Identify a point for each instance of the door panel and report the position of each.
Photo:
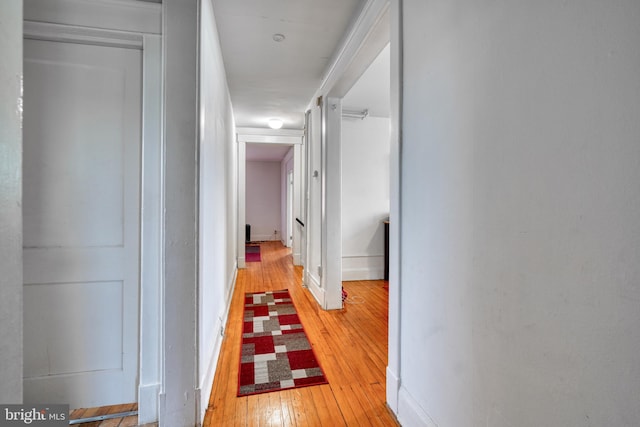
(81, 209)
(289, 231)
(56, 310)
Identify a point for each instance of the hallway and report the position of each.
(350, 344)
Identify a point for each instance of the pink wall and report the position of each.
(263, 200)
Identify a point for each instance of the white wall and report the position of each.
(178, 401)
(285, 167)
(218, 204)
(520, 234)
(365, 196)
(10, 202)
(263, 200)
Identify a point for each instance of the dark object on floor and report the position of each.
(252, 253)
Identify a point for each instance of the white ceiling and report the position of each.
(277, 80)
(266, 152)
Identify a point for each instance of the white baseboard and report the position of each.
(206, 384)
(362, 267)
(314, 286)
(361, 274)
(264, 238)
(410, 413)
(205, 387)
(393, 387)
(148, 397)
(297, 259)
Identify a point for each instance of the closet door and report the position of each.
(81, 204)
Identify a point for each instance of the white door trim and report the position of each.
(395, 279)
(367, 37)
(75, 34)
(11, 282)
(263, 136)
(379, 23)
(152, 218)
(122, 15)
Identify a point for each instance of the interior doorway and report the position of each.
(380, 25)
(267, 161)
(365, 161)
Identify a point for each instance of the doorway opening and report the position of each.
(269, 189)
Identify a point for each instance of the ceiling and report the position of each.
(372, 91)
(269, 79)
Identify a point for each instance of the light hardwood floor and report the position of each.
(350, 344)
(129, 421)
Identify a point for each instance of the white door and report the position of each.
(82, 121)
(289, 235)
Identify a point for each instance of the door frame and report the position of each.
(132, 25)
(244, 136)
(289, 213)
(379, 23)
(369, 34)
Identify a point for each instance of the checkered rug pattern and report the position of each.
(276, 354)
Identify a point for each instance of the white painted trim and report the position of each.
(410, 413)
(304, 194)
(125, 15)
(363, 256)
(332, 204)
(393, 389)
(75, 34)
(359, 34)
(11, 225)
(315, 289)
(354, 274)
(242, 202)
(260, 135)
(288, 197)
(395, 168)
(148, 398)
(267, 131)
(270, 139)
(298, 198)
(262, 238)
(297, 259)
(287, 157)
(151, 278)
(206, 385)
(362, 267)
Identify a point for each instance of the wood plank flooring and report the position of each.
(129, 421)
(351, 345)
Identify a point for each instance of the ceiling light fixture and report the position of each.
(275, 123)
(278, 37)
